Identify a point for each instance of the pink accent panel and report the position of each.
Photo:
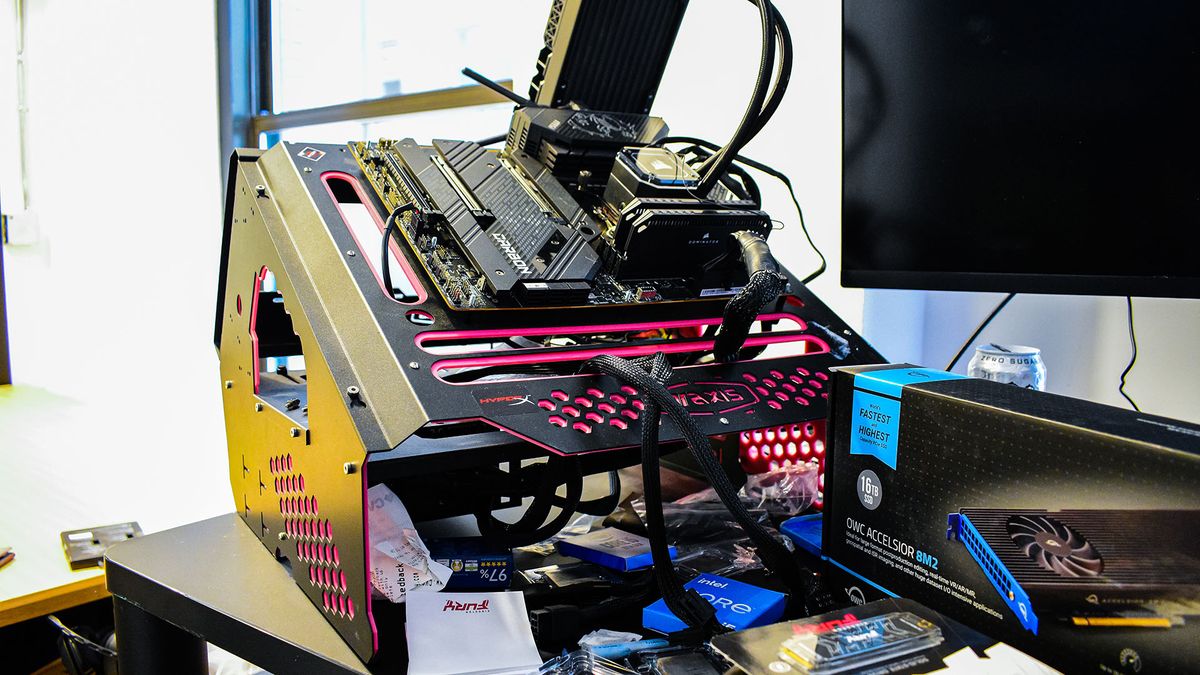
(366, 530)
(549, 356)
(450, 335)
(370, 259)
(258, 279)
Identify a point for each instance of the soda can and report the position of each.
(1010, 364)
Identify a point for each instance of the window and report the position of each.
(309, 70)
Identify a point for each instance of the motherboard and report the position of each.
(497, 229)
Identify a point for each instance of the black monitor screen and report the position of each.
(1022, 145)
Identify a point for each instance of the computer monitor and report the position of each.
(1004, 145)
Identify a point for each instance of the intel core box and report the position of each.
(1068, 529)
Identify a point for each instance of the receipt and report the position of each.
(400, 561)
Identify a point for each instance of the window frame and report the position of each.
(245, 96)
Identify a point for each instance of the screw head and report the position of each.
(414, 365)
(229, 384)
(724, 420)
(258, 407)
(349, 468)
(352, 390)
(295, 432)
(351, 253)
(261, 190)
(283, 536)
(308, 169)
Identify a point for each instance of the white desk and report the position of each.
(67, 465)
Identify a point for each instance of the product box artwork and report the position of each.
(1062, 527)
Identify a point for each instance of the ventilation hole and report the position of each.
(239, 304)
(774, 405)
(337, 560)
(342, 604)
(629, 390)
(546, 404)
(271, 463)
(768, 382)
(312, 575)
(325, 599)
(618, 399)
(328, 530)
(749, 378)
(559, 394)
(350, 607)
(557, 421)
(776, 374)
(289, 462)
(302, 482)
(342, 579)
(315, 510)
(419, 318)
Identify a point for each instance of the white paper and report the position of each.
(469, 633)
(400, 561)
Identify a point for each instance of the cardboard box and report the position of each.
(1068, 529)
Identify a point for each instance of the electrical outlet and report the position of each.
(21, 229)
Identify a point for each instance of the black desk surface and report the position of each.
(213, 579)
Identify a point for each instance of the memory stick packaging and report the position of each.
(1068, 529)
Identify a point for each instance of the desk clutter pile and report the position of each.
(967, 526)
(586, 601)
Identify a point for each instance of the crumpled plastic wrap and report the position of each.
(400, 561)
(782, 492)
(706, 534)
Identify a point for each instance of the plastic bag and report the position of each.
(782, 492)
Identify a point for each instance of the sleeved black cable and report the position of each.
(713, 169)
(804, 585)
(765, 284)
(389, 229)
(686, 604)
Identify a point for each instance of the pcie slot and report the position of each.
(410, 184)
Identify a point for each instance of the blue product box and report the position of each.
(805, 532)
(612, 548)
(475, 564)
(739, 605)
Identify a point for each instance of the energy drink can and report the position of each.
(1010, 364)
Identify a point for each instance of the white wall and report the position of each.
(113, 307)
(704, 93)
(1084, 341)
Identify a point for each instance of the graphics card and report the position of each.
(1093, 567)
